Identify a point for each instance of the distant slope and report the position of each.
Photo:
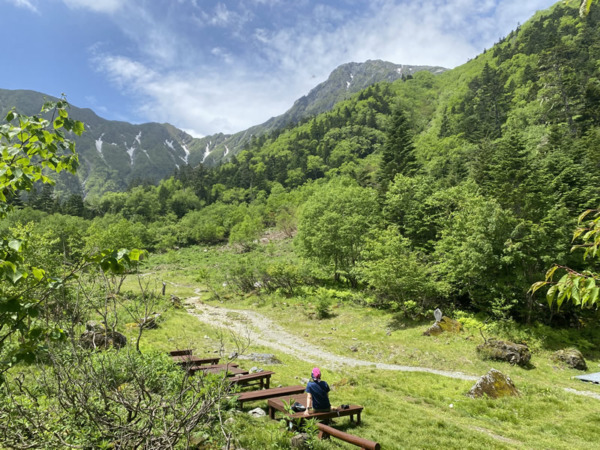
(111, 153)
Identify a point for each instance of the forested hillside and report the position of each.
(456, 191)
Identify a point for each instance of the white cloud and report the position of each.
(102, 6)
(283, 64)
(24, 4)
(202, 104)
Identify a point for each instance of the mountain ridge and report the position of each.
(115, 153)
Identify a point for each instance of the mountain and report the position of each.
(114, 154)
(343, 83)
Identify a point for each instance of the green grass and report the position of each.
(402, 409)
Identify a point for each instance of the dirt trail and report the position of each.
(265, 332)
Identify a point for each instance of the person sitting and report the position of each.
(317, 396)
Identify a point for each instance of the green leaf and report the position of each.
(15, 244)
(38, 273)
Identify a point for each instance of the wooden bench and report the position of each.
(187, 352)
(265, 394)
(190, 360)
(325, 431)
(217, 368)
(277, 404)
(263, 379)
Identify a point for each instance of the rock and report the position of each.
(264, 358)
(494, 384)
(102, 340)
(149, 323)
(176, 302)
(257, 412)
(92, 325)
(354, 348)
(446, 324)
(233, 355)
(505, 351)
(433, 330)
(571, 357)
(255, 370)
(229, 421)
(300, 441)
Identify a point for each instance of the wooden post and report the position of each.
(164, 288)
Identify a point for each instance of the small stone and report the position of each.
(257, 412)
(300, 441)
(230, 421)
(354, 348)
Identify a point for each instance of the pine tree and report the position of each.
(398, 151)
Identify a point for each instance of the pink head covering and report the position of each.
(316, 373)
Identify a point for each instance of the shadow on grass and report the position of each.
(400, 322)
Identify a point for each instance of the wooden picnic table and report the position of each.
(218, 368)
(190, 360)
(265, 394)
(263, 379)
(276, 404)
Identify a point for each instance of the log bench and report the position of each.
(265, 394)
(262, 379)
(325, 431)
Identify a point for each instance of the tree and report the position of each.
(398, 151)
(30, 146)
(335, 223)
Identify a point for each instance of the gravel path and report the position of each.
(265, 332)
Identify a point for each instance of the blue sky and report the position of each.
(222, 66)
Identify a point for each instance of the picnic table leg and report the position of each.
(272, 413)
(358, 418)
(268, 381)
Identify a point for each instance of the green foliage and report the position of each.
(334, 225)
(397, 272)
(29, 146)
(579, 288)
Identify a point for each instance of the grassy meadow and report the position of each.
(402, 409)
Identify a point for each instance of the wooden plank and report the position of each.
(263, 379)
(277, 404)
(326, 431)
(180, 352)
(194, 360)
(269, 393)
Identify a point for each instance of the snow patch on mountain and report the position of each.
(130, 151)
(169, 144)
(226, 152)
(99, 145)
(206, 151)
(138, 138)
(187, 153)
